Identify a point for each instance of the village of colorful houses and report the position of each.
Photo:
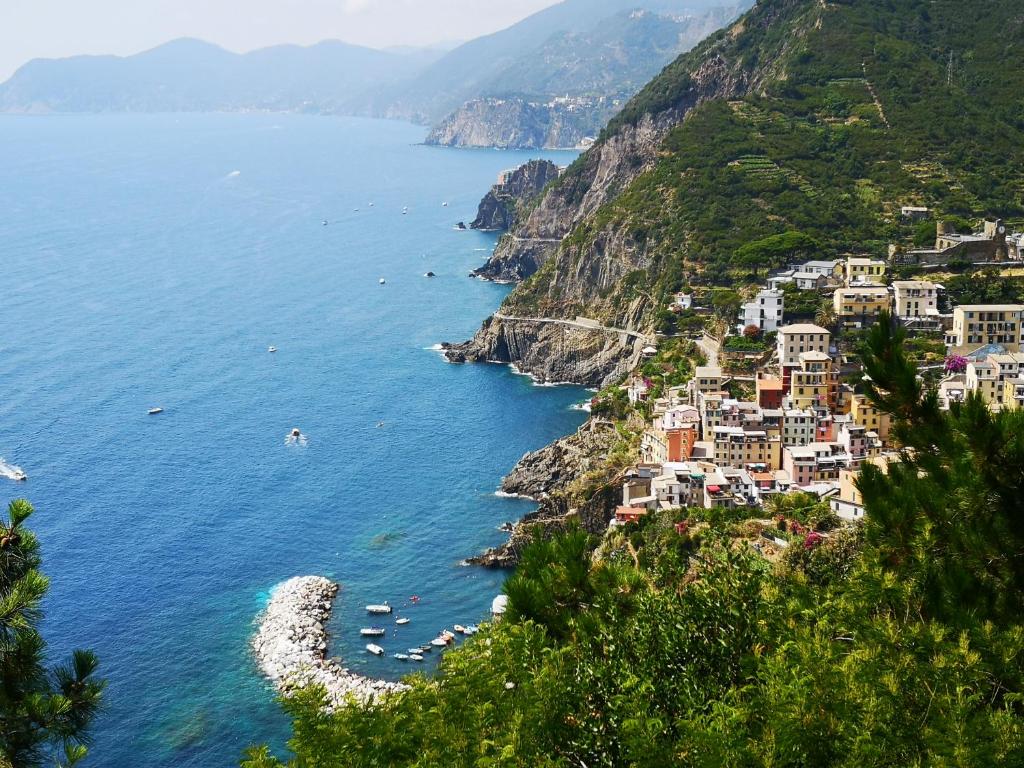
(804, 427)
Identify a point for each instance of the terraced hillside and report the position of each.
(820, 118)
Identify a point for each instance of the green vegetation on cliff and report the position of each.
(896, 642)
(840, 113)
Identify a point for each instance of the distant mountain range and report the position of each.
(596, 52)
(577, 47)
(192, 76)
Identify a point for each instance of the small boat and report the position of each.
(325, 222)
(472, 629)
(376, 650)
(381, 609)
(401, 656)
(405, 210)
(426, 648)
(373, 632)
(296, 433)
(371, 205)
(444, 205)
(415, 657)
(460, 629)
(430, 274)
(447, 635)
(439, 642)
(155, 411)
(12, 472)
(414, 599)
(382, 281)
(402, 620)
(271, 350)
(415, 651)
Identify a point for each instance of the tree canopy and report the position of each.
(44, 713)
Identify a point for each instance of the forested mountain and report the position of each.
(806, 116)
(193, 76)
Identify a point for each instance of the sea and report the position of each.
(151, 262)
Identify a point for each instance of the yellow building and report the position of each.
(864, 271)
(1013, 393)
(865, 414)
(707, 379)
(983, 378)
(860, 305)
(978, 325)
(809, 384)
(739, 448)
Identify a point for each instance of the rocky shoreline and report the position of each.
(290, 645)
(546, 476)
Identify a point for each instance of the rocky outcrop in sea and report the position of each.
(502, 206)
(290, 645)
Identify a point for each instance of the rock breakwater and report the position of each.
(290, 645)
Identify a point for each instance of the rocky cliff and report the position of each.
(577, 261)
(518, 124)
(502, 207)
(552, 476)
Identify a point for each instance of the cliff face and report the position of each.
(548, 475)
(576, 262)
(501, 208)
(517, 124)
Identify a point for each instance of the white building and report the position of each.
(765, 312)
(794, 340)
(916, 298)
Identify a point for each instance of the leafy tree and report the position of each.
(44, 713)
(951, 511)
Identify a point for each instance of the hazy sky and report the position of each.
(50, 28)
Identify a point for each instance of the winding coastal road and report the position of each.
(581, 323)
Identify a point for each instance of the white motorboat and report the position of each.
(447, 634)
(155, 411)
(415, 657)
(472, 629)
(12, 472)
(439, 642)
(401, 656)
(376, 650)
(382, 281)
(373, 632)
(460, 629)
(381, 609)
(271, 350)
(402, 621)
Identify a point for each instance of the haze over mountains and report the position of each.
(582, 48)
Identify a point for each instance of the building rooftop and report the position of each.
(814, 356)
(990, 308)
(910, 285)
(803, 328)
(707, 372)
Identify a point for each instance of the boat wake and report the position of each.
(11, 472)
(296, 441)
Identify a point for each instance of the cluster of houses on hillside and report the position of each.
(804, 429)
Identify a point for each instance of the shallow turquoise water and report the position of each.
(150, 261)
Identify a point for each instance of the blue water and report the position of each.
(150, 261)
